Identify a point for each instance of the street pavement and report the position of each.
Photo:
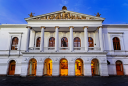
(63, 81)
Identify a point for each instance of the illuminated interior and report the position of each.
(48, 67)
(32, 67)
(11, 68)
(78, 67)
(63, 67)
(95, 67)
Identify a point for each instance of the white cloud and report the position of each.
(125, 4)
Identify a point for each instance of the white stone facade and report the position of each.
(102, 36)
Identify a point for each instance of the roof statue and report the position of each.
(31, 14)
(98, 15)
(64, 8)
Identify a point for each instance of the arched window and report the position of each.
(90, 42)
(38, 42)
(52, 42)
(64, 42)
(14, 45)
(77, 42)
(116, 43)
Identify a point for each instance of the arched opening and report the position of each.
(90, 42)
(32, 67)
(116, 43)
(95, 67)
(64, 42)
(79, 67)
(38, 42)
(11, 70)
(63, 67)
(51, 43)
(119, 68)
(77, 43)
(14, 45)
(48, 67)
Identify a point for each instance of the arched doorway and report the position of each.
(11, 70)
(63, 67)
(48, 67)
(79, 67)
(95, 67)
(119, 68)
(32, 67)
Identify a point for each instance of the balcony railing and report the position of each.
(65, 49)
(94, 48)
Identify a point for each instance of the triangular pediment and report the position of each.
(64, 15)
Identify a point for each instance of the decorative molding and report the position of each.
(85, 27)
(56, 27)
(29, 27)
(15, 32)
(71, 27)
(116, 32)
(42, 27)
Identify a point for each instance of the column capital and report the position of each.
(85, 27)
(71, 27)
(42, 27)
(57, 27)
(99, 27)
(29, 27)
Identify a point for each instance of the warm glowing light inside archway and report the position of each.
(78, 67)
(64, 67)
(48, 67)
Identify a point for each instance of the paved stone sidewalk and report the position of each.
(64, 81)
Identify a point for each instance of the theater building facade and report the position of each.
(64, 43)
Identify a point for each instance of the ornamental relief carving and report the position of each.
(63, 15)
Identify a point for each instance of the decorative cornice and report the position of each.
(85, 27)
(42, 27)
(57, 27)
(71, 27)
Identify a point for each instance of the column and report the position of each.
(87, 69)
(42, 39)
(56, 38)
(71, 38)
(28, 38)
(55, 68)
(101, 38)
(86, 37)
(71, 68)
(40, 66)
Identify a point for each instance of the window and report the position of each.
(14, 45)
(77, 42)
(38, 42)
(116, 43)
(64, 42)
(52, 42)
(90, 42)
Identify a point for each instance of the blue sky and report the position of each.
(14, 11)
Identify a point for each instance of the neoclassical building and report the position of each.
(64, 43)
